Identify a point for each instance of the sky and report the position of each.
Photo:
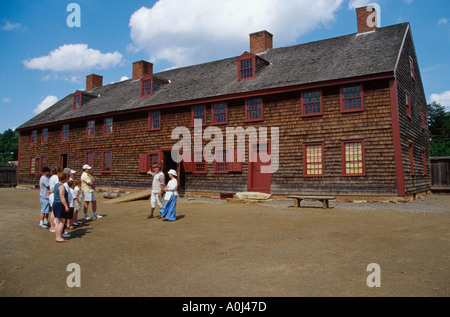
(48, 47)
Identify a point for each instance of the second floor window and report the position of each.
(352, 99)
(90, 129)
(254, 110)
(312, 103)
(154, 120)
(65, 132)
(199, 115)
(108, 126)
(45, 135)
(219, 113)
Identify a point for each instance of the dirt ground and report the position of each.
(217, 248)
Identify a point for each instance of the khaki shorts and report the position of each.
(89, 196)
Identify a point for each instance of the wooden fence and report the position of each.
(440, 173)
(8, 174)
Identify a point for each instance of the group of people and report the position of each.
(168, 212)
(61, 197)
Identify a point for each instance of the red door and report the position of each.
(258, 178)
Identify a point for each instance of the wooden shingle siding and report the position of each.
(411, 131)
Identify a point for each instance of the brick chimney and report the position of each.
(93, 81)
(366, 19)
(141, 68)
(260, 42)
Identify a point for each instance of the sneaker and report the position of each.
(65, 235)
(75, 224)
(97, 216)
(87, 218)
(52, 230)
(42, 227)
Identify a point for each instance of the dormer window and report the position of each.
(249, 66)
(80, 98)
(150, 85)
(76, 101)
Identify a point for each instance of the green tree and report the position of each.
(9, 145)
(439, 123)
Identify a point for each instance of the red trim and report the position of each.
(246, 110)
(29, 168)
(150, 121)
(341, 90)
(303, 104)
(41, 162)
(250, 94)
(344, 170)
(305, 163)
(62, 132)
(34, 137)
(251, 161)
(411, 157)
(103, 161)
(204, 114)
(42, 136)
(109, 125)
(77, 93)
(87, 129)
(213, 121)
(145, 78)
(396, 138)
(199, 167)
(86, 161)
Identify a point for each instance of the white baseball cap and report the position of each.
(86, 167)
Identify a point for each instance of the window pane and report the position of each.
(312, 102)
(352, 98)
(314, 164)
(354, 158)
(146, 87)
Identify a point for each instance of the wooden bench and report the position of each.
(324, 199)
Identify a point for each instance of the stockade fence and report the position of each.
(440, 173)
(8, 174)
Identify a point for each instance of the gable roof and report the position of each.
(337, 58)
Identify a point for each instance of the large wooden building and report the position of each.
(350, 111)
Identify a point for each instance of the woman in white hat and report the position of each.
(169, 210)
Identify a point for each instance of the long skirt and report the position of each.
(170, 208)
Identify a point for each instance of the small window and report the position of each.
(313, 159)
(411, 158)
(154, 120)
(220, 113)
(34, 136)
(76, 101)
(43, 162)
(246, 70)
(90, 129)
(312, 103)
(108, 127)
(408, 104)
(32, 165)
(254, 110)
(65, 132)
(199, 115)
(146, 86)
(44, 135)
(352, 99)
(411, 65)
(106, 161)
(89, 159)
(353, 158)
(200, 165)
(222, 161)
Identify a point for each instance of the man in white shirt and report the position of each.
(157, 189)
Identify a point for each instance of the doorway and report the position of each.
(64, 160)
(257, 180)
(169, 164)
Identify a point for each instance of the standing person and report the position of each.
(87, 187)
(60, 206)
(157, 189)
(170, 207)
(77, 201)
(44, 188)
(70, 186)
(53, 180)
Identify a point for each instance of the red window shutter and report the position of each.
(188, 166)
(143, 162)
(236, 165)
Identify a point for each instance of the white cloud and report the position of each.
(74, 58)
(47, 102)
(443, 99)
(187, 32)
(8, 26)
(443, 21)
(6, 100)
(124, 78)
(353, 4)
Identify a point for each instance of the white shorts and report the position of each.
(155, 199)
(89, 196)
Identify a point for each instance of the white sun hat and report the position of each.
(173, 172)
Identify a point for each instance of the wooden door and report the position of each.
(258, 181)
